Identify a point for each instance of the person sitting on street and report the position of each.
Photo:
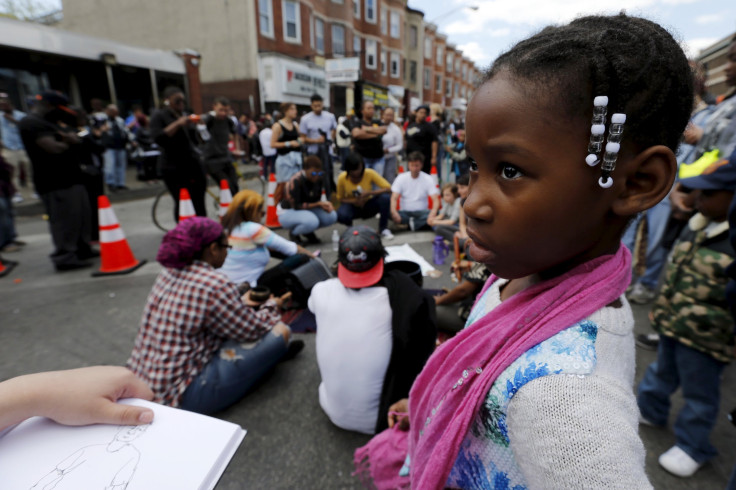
(363, 193)
(445, 223)
(414, 188)
(452, 320)
(375, 330)
(200, 346)
(302, 209)
(250, 241)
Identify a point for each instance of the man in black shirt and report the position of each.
(179, 161)
(50, 141)
(367, 136)
(421, 136)
(216, 154)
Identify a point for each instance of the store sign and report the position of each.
(303, 82)
(342, 69)
(377, 95)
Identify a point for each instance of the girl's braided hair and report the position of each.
(633, 61)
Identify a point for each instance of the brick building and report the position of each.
(714, 58)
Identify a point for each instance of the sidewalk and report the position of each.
(136, 190)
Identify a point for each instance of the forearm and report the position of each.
(434, 150)
(20, 399)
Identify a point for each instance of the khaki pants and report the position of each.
(17, 158)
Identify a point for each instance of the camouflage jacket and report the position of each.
(692, 306)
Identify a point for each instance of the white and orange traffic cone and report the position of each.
(433, 174)
(186, 207)
(226, 197)
(115, 254)
(272, 220)
(323, 198)
(6, 267)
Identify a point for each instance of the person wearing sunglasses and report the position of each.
(302, 210)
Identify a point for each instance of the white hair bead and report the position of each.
(612, 147)
(607, 183)
(600, 100)
(618, 118)
(592, 160)
(597, 129)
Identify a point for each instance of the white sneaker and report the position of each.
(645, 421)
(641, 294)
(17, 199)
(386, 233)
(678, 462)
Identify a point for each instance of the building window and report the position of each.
(439, 58)
(356, 45)
(438, 84)
(371, 49)
(427, 79)
(413, 37)
(403, 69)
(449, 62)
(383, 62)
(395, 65)
(413, 71)
(338, 40)
(457, 90)
(457, 65)
(356, 9)
(319, 35)
(448, 88)
(370, 11)
(395, 24)
(265, 17)
(428, 48)
(465, 72)
(384, 21)
(292, 24)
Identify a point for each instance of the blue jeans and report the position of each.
(287, 165)
(231, 372)
(346, 213)
(303, 221)
(657, 218)
(115, 162)
(7, 222)
(376, 164)
(420, 218)
(699, 375)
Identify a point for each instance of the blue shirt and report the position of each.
(10, 133)
(311, 124)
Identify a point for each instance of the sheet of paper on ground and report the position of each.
(405, 252)
(180, 449)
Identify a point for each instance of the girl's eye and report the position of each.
(510, 172)
(473, 165)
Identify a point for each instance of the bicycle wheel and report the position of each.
(162, 211)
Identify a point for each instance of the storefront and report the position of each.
(375, 93)
(284, 79)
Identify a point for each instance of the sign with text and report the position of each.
(342, 69)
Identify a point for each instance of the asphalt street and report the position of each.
(53, 321)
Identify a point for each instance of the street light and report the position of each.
(456, 9)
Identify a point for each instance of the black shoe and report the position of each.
(72, 266)
(312, 239)
(122, 188)
(294, 348)
(92, 253)
(296, 239)
(649, 341)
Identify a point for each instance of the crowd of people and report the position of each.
(531, 386)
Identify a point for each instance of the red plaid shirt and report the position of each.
(190, 312)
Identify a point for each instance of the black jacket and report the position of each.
(414, 333)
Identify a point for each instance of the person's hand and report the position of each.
(184, 120)
(439, 299)
(246, 299)
(326, 206)
(68, 137)
(320, 139)
(431, 219)
(281, 300)
(88, 396)
(399, 413)
(362, 199)
(396, 217)
(433, 161)
(692, 134)
(682, 203)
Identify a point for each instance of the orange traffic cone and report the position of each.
(6, 267)
(186, 207)
(433, 174)
(272, 221)
(323, 198)
(398, 201)
(115, 254)
(226, 197)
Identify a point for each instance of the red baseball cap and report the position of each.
(360, 257)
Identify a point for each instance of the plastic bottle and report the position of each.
(411, 223)
(335, 240)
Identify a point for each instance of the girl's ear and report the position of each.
(649, 178)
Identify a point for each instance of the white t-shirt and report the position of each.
(265, 137)
(414, 192)
(354, 344)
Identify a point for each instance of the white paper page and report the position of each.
(405, 252)
(177, 451)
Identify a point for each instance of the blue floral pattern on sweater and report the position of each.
(485, 460)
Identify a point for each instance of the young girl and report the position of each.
(536, 391)
(445, 224)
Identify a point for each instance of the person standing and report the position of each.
(342, 139)
(393, 143)
(115, 137)
(49, 138)
(318, 128)
(421, 136)
(285, 138)
(367, 133)
(12, 146)
(179, 162)
(216, 154)
(269, 154)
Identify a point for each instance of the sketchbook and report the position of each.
(178, 450)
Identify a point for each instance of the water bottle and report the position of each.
(440, 250)
(335, 240)
(411, 223)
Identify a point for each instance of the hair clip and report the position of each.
(613, 145)
(597, 129)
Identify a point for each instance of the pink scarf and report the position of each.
(456, 379)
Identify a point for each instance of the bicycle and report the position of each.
(162, 211)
